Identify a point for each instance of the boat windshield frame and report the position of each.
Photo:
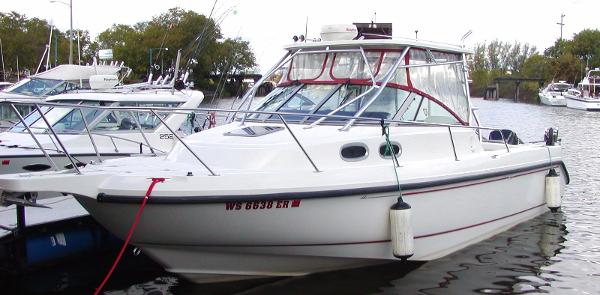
(377, 77)
(100, 116)
(40, 87)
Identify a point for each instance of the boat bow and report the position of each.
(60, 182)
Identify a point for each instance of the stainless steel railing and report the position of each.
(277, 117)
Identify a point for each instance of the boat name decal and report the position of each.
(261, 205)
(166, 136)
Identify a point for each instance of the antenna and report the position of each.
(465, 36)
(176, 71)
(78, 48)
(2, 55)
(48, 47)
(18, 74)
(306, 30)
(562, 16)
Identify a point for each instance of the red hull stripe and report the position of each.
(371, 242)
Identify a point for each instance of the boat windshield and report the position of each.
(426, 86)
(62, 119)
(560, 87)
(298, 102)
(69, 120)
(129, 120)
(42, 87)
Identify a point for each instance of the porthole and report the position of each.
(384, 151)
(354, 151)
(36, 167)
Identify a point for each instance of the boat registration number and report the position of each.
(262, 205)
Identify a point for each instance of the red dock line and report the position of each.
(131, 230)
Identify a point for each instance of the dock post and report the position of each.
(497, 91)
(20, 219)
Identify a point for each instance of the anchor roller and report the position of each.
(552, 192)
(401, 230)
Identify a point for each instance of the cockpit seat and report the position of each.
(126, 124)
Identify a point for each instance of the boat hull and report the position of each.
(552, 99)
(60, 206)
(212, 242)
(582, 103)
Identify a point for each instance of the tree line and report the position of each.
(142, 46)
(567, 60)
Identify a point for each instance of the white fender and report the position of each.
(553, 199)
(401, 230)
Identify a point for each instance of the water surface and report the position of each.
(551, 254)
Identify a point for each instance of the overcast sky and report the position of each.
(269, 25)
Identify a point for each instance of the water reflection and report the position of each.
(513, 262)
(551, 254)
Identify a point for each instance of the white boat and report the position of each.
(4, 85)
(60, 79)
(115, 134)
(304, 183)
(553, 94)
(587, 95)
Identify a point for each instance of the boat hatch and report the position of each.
(254, 131)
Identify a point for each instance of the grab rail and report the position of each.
(87, 129)
(184, 144)
(34, 138)
(43, 116)
(279, 115)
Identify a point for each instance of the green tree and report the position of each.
(566, 67)
(586, 47)
(496, 59)
(24, 39)
(176, 29)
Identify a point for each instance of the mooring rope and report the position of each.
(385, 130)
(131, 230)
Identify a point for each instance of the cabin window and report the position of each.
(423, 109)
(307, 66)
(385, 151)
(354, 152)
(388, 61)
(351, 65)
(443, 81)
